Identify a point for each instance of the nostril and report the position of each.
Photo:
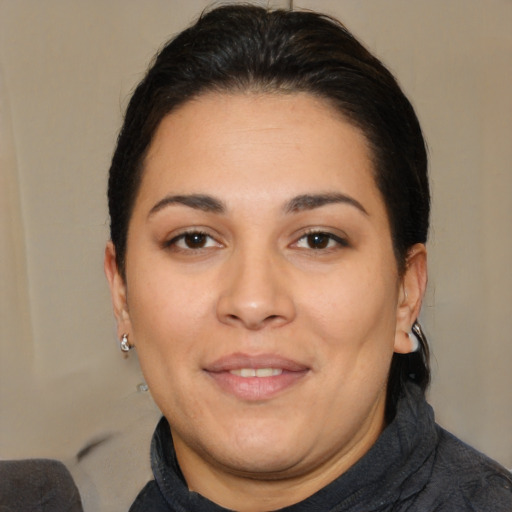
(255, 307)
(252, 323)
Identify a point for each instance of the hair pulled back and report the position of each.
(244, 48)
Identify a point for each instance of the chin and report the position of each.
(265, 463)
(261, 448)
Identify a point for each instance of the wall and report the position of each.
(66, 70)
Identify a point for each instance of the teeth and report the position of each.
(259, 372)
(268, 372)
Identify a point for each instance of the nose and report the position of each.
(256, 292)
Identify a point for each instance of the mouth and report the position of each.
(256, 378)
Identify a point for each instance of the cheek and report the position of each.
(353, 312)
(167, 310)
(353, 299)
(168, 321)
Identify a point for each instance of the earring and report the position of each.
(417, 337)
(125, 344)
(415, 344)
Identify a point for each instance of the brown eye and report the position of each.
(195, 240)
(192, 240)
(318, 240)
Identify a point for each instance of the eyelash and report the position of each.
(173, 243)
(324, 235)
(330, 237)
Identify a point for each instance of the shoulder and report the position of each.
(470, 481)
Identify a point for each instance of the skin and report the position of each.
(256, 284)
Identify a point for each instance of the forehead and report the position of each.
(258, 146)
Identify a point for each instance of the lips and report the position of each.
(255, 378)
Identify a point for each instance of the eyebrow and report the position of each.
(297, 204)
(312, 201)
(201, 202)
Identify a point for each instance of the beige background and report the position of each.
(66, 70)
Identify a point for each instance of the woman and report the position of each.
(269, 211)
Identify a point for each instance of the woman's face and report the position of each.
(261, 286)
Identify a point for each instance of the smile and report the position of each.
(255, 378)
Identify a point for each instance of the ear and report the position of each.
(117, 291)
(410, 296)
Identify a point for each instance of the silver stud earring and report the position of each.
(125, 344)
